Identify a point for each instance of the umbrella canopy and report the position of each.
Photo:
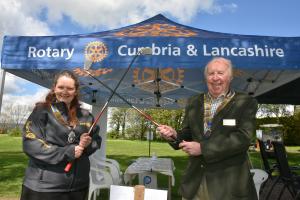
(173, 72)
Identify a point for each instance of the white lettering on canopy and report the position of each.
(66, 53)
(168, 50)
(242, 51)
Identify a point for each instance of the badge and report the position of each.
(71, 137)
(229, 122)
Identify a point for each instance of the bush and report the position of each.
(3, 131)
(113, 134)
(15, 132)
(291, 128)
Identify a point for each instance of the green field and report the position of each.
(13, 161)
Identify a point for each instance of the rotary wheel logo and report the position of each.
(96, 51)
(147, 180)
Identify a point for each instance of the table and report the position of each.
(118, 192)
(163, 166)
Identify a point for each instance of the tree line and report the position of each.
(126, 123)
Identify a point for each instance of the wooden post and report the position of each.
(139, 191)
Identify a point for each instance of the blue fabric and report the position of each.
(174, 45)
(166, 78)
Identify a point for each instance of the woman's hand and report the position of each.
(78, 151)
(85, 140)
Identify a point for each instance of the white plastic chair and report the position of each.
(113, 162)
(96, 157)
(100, 178)
(259, 177)
(112, 165)
(104, 172)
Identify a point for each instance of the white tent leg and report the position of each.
(102, 123)
(2, 81)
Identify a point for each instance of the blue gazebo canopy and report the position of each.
(173, 72)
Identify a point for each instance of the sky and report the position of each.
(67, 17)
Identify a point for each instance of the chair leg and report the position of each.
(93, 193)
(96, 194)
(281, 192)
(298, 196)
(272, 187)
(90, 194)
(292, 191)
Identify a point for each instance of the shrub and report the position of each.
(3, 131)
(291, 128)
(15, 132)
(113, 134)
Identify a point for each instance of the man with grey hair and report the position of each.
(216, 134)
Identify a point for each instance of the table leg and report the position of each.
(170, 188)
(130, 180)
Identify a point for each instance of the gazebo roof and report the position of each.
(173, 72)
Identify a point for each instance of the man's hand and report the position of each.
(191, 148)
(167, 132)
(85, 140)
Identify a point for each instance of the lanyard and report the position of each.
(60, 118)
(211, 108)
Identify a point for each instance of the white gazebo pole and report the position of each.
(2, 81)
(102, 123)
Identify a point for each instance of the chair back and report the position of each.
(99, 179)
(266, 156)
(259, 176)
(111, 165)
(281, 158)
(291, 181)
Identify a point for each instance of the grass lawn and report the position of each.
(13, 161)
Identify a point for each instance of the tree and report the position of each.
(4, 122)
(16, 114)
(172, 118)
(13, 116)
(274, 110)
(135, 126)
(118, 121)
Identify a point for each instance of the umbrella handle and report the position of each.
(68, 167)
(141, 52)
